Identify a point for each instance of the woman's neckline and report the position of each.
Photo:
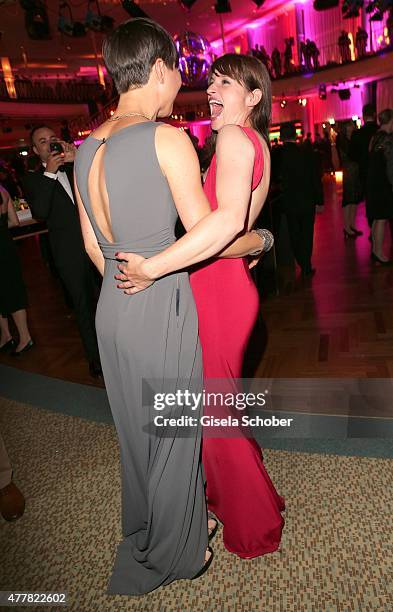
(105, 139)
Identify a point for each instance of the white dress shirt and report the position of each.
(63, 180)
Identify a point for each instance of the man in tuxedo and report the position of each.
(50, 194)
(301, 191)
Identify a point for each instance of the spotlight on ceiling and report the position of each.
(223, 6)
(187, 4)
(66, 24)
(95, 21)
(351, 8)
(36, 19)
(323, 5)
(344, 94)
(258, 2)
(133, 9)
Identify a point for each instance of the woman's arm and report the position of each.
(178, 161)
(13, 219)
(199, 207)
(89, 237)
(244, 245)
(3, 201)
(7, 207)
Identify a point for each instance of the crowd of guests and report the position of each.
(366, 157)
(281, 63)
(73, 90)
(48, 187)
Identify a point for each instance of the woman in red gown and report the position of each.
(239, 491)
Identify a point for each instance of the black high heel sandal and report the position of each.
(26, 348)
(379, 261)
(8, 346)
(205, 567)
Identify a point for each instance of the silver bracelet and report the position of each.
(268, 241)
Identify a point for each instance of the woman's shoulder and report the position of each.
(170, 138)
(233, 138)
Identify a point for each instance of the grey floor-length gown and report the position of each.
(150, 335)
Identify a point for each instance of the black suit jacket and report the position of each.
(299, 179)
(49, 201)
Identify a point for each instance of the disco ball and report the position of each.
(195, 59)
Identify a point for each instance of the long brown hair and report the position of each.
(252, 74)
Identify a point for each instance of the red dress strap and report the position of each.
(259, 159)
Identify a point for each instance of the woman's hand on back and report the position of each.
(133, 278)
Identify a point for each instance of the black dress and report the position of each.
(352, 187)
(13, 295)
(379, 193)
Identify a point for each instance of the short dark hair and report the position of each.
(38, 127)
(369, 111)
(131, 50)
(287, 131)
(385, 116)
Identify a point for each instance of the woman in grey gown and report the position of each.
(133, 177)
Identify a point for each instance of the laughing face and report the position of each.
(229, 101)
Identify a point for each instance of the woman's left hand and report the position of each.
(132, 275)
(253, 261)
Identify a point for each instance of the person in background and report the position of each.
(352, 187)
(360, 142)
(65, 131)
(308, 140)
(50, 194)
(12, 502)
(9, 183)
(13, 297)
(379, 194)
(301, 192)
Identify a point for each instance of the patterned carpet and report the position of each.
(335, 555)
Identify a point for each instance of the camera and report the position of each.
(56, 146)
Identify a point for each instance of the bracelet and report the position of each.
(268, 241)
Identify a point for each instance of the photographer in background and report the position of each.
(50, 194)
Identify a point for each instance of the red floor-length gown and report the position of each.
(239, 490)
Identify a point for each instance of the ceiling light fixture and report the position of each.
(187, 4)
(66, 24)
(223, 6)
(95, 21)
(133, 9)
(36, 19)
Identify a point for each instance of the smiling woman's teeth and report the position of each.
(216, 108)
